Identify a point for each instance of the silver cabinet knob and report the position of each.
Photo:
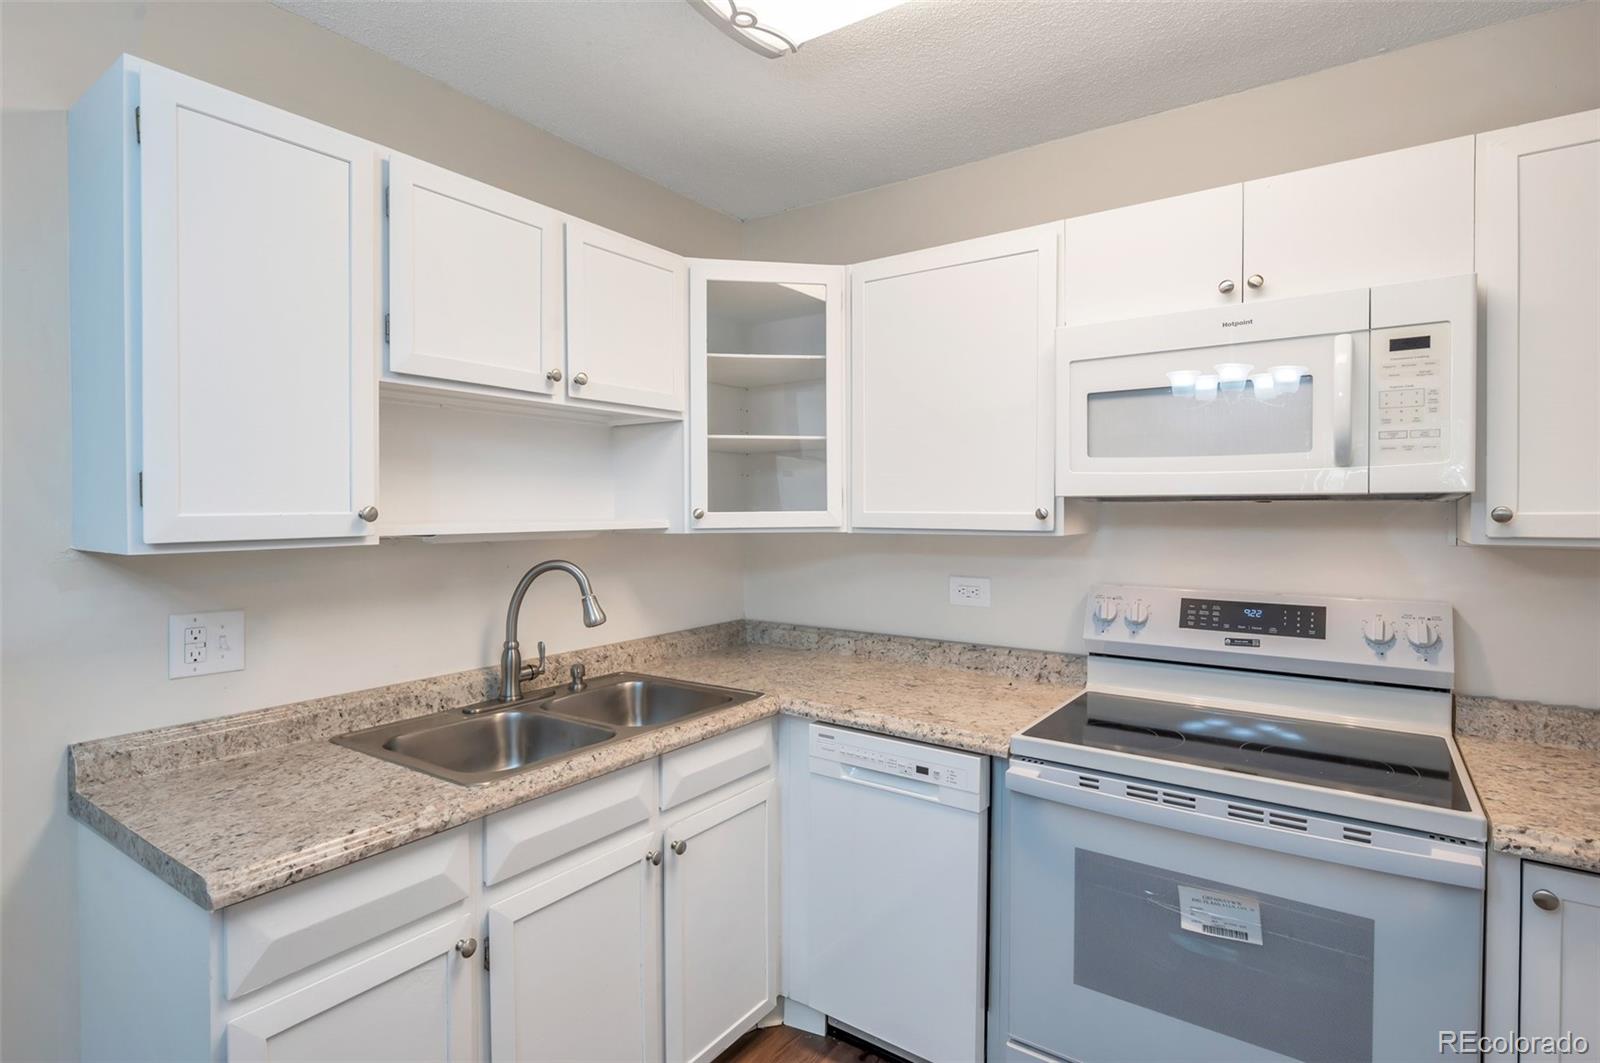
(1256, 280)
(653, 857)
(580, 378)
(1042, 513)
(1501, 515)
(680, 846)
(554, 376)
(699, 513)
(368, 513)
(467, 946)
(1225, 287)
(1546, 901)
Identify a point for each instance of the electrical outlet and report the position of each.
(970, 590)
(203, 643)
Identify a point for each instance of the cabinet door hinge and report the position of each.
(385, 328)
(141, 488)
(486, 952)
(385, 202)
(138, 134)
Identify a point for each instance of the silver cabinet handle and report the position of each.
(653, 857)
(1042, 513)
(699, 513)
(554, 376)
(467, 946)
(580, 378)
(1225, 287)
(680, 846)
(1256, 280)
(1546, 901)
(368, 513)
(1501, 515)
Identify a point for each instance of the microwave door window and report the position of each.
(1264, 413)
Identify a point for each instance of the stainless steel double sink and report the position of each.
(492, 740)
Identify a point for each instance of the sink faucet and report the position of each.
(513, 673)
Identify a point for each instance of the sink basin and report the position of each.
(492, 740)
(625, 700)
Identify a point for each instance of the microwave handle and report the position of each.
(1343, 384)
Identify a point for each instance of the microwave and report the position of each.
(1366, 393)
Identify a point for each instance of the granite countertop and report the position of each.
(1536, 769)
(235, 807)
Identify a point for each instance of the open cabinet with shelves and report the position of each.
(766, 384)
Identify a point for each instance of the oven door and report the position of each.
(1139, 932)
(1260, 400)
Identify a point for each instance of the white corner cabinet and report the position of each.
(1383, 219)
(952, 419)
(631, 917)
(766, 380)
(1539, 283)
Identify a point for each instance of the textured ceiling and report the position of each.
(650, 84)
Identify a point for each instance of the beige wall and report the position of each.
(1499, 76)
(84, 635)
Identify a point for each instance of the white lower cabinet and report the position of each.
(1560, 957)
(721, 923)
(575, 965)
(411, 1001)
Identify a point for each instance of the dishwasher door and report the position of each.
(893, 881)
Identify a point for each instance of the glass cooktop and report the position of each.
(1392, 764)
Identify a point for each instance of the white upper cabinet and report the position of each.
(225, 308)
(766, 379)
(1539, 275)
(1173, 254)
(952, 386)
(475, 281)
(1560, 956)
(627, 338)
(1384, 219)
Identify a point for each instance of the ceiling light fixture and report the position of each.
(780, 27)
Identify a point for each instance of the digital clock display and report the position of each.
(1255, 618)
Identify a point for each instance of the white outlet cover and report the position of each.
(219, 647)
(970, 591)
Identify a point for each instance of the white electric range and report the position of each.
(1250, 838)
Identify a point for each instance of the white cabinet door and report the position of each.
(410, 1002)
(627, 337)
(952, 386)
(721, 924)
(1560, 955)
(1539, 272)
(1384, 219)
(575, 972)
(260, 312)
(475, 292)
(766, 386)
(1181, 253)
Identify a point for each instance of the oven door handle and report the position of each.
(1343, 397)
(1445, 865)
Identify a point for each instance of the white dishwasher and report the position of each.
(891, 876)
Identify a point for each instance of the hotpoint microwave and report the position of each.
(1365, 393)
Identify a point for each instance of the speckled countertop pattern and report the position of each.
(228, 809)
(1536, 769)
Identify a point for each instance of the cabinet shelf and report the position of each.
(751, 444)
(483, 531)
(764, 370)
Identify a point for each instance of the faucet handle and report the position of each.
(531, 671)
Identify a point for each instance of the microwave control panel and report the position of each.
(1411, 393)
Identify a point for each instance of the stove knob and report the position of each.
(1137, 614)
(1422, 634)
(1105, 610)
(1377, 630)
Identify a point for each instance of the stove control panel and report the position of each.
(1407, 642)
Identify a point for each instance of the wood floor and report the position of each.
(785, 1044)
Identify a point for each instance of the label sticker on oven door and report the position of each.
(1220, 915)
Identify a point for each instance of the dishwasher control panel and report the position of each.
(891, 756)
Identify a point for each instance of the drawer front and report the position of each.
(273, 936)
(701, 768)
(520, 839)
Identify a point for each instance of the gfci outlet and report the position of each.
(203, 643)
(969, 590)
